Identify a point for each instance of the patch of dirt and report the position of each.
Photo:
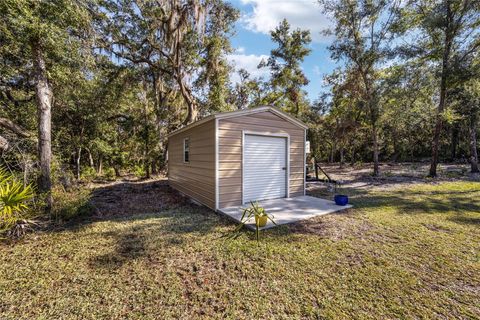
(335, 226)
(393, 174)
(130, 197)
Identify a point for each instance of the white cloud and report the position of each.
(316, 70)
(248, 62)
(303, 14)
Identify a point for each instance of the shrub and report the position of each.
(88, 174)
(139, 171)
(110, 174)
(14, 208)
(69, 205)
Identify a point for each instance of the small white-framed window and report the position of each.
(186, 150)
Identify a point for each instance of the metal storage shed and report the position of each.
(231, 158)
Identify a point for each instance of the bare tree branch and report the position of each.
(8, 124)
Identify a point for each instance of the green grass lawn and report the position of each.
(411, 252)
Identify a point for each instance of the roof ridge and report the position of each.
(237, 113)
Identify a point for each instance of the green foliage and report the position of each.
(88, 173)
(14, 202)
(109, 173)
(408, 110)
(71, 204)
(139, 171)
(123, 77)
(216, 71)
(447, 37)
(287, 77)
(118, 88)
(363, 31)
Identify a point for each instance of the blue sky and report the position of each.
(252, 40)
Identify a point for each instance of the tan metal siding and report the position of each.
(230, 153)
(197, 177)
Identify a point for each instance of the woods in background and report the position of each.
(92, 88)
(396, 95)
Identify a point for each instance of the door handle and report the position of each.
(284, 168)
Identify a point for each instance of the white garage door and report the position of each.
(265, 167)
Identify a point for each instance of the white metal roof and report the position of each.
(232, 114)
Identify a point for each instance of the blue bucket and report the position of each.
(341, 200)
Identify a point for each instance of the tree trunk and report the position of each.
(146, 166)
(342, 147)
(146, 162)
(396, 152)
(437, 132)
(342, 156)
(473, 145)
(77, 161)
(10, 125)
(44, 96)
(154, 167)
(333, 152)
(443, 94)
(192, 108)
(164, 165)
(373, 110)
(454, 143)
(90, 159)
(100, 165)
(161, 107)
(376, 166)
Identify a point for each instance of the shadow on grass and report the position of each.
(129, 246)
(138, 200)
(414, 205)
(152, 207)
(168, 228)
(164, 211)
(466, 220)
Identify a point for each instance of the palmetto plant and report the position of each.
(14, 198)
(253, 212)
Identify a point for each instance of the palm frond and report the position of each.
(14, 199)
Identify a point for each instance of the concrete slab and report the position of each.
(287, 210)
